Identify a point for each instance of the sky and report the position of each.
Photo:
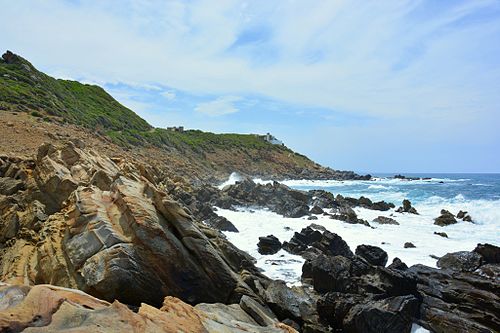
(370, 86)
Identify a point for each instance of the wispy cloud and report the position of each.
(219, 107)
(404, 62)
(170, 95)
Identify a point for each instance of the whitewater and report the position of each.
(479, 195)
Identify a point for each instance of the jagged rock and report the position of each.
(397, 264)
(446, 218)
(311, 218)
(119, 237)
(263, 316)
(407, 208)
(385, 220)
(373, 254)
(461, 214)
(275, 196)
(316, 210)
(348, 215)
(9, 186)
(457, 301)
(490, 253)
(356, 313)
(221, 223)
(409, 245)
(268, 245)
(390, 315)
(293, 303)
(45, 308)
(460, 261)
(442, 234)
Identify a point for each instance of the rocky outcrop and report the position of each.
(407, 208)
(310, 242)
(293, 203)
(275, 196)
(358, 296)
(105, 227)
(457, 301)
(446, 218)
(46, 308)
(268, 245)
(490, 253)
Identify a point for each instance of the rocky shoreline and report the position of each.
(143, 251)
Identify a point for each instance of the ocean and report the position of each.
(478, 194)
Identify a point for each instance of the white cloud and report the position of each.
(387, 59)
(170, 95)
(219, 107)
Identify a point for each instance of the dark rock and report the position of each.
(292, 324)
(311, 218)
(467, 218)
(316, 210)
(329, 273)
(442, 234)
(407, 208)
(373, 254)
(397, 264)
(348, 215)
(490, 271)
(457, 301)
(268, 245)
(317, 227)
(389, 315)
(409, 245)
(9, 186)
(460, 261)
(275, 196)
(385, 220)
(490, 253)
(357, 313)
(461, 214)
(445, 219)
(221, 223)
(292, 303)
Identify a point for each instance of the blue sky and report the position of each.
(370, 86)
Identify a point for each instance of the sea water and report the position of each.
(478, 194)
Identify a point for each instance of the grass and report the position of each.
(24, 88)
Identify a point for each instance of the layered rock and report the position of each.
(46, 308)
(105, 227)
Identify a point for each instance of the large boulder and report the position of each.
(460, 261)
(268, 245)
(490, 253)
(373, 254)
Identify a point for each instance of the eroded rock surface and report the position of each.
(46, 308)
(81, 220)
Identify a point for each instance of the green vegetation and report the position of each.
(24, 88)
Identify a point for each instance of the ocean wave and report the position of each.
(233, 178)
(379, 187)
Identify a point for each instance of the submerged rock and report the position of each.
(409, 245)
(442, 234)
(385, 220)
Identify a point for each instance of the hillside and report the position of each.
(198, 155)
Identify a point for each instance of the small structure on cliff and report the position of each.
(176, 129)
(271, 139)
